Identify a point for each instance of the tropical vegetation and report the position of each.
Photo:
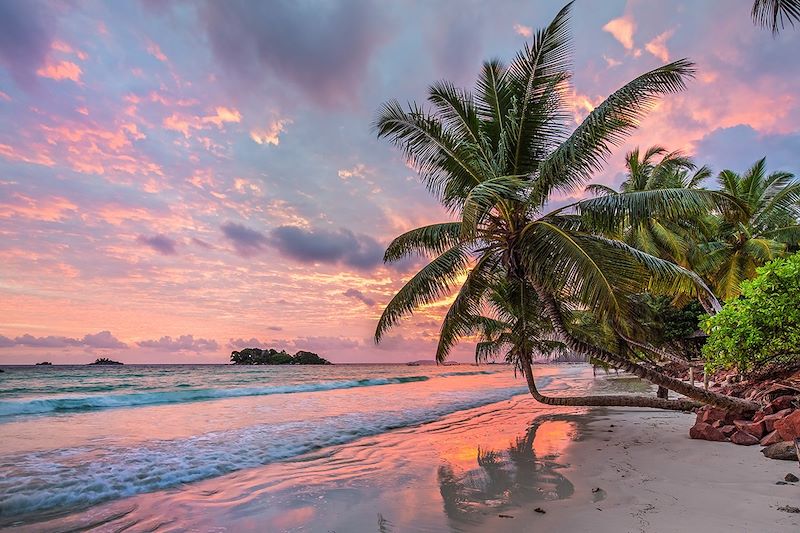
(761, 329)
(496, 158)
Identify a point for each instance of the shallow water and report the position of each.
(218, 447)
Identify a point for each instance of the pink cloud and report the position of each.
(154, 50)
(63, 70)
(50, 208)
(658, 46)
(61, 46)
(270, 134)
(622, 29)
(38, 158)
(525, 31)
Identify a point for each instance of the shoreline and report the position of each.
(486, 468)
(653, 478)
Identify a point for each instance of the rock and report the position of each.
(769, 420)
(755, 429)
(791, 478)
(540, 510)
(742, 438)
(788, 427)
(759, 416)
(704, 431)
(784, 451)
(771, 438)
(728, 430)
(781, 402)
(789, 509)
(709, 414)
(718, 424)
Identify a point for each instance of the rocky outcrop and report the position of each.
(776, 425)
(270, 356)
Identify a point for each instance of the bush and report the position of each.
(762, 326)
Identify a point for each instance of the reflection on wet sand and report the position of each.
(524, 473)
(446, 475)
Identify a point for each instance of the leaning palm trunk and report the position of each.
(676, 385)
(604, 401)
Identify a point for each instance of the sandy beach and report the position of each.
(486, 469)
(653, 478)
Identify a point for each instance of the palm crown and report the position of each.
(759, 232)
(495, 157)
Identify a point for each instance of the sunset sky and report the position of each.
(177, 181)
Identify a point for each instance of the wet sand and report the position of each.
(486, 469)
(652, 478)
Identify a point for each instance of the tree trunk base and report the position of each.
(605, 401)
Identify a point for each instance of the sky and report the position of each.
(178, 180)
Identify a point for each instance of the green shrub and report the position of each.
(762, 326)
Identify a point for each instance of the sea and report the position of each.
(80, 445)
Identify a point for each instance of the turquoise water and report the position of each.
(73, 437)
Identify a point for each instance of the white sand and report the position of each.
(654, 478)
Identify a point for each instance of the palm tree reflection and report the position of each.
(515, 477)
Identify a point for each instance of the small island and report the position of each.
(44, 363)
(257, 356)
(105, 361)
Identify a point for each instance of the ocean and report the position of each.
(74, 437)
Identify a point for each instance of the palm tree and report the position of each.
(515, 327)
(494, 158)
(775, 13)
(671, 239)
(747, 239)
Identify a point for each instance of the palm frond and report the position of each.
(587, 148)
(434, 239)
(434, 281)
(774, 14)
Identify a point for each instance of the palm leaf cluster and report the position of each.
(724, 246)
(494, 156)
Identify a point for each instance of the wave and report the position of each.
(78, 477)
(90, 403)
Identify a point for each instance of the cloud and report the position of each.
(270, 134)
(5, 342)
(247, 242)
(51, 341)
(525, 31)
(154, 50)
(255, 41)
(184, 343)
(103, 339)
(658, 46)
(622, 29)
(240, 343)
(160, 243)
(62, 70)
(360, 296)
(24, 39)
(611, 62)
(323, 246)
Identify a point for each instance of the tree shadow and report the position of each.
(514, 477)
